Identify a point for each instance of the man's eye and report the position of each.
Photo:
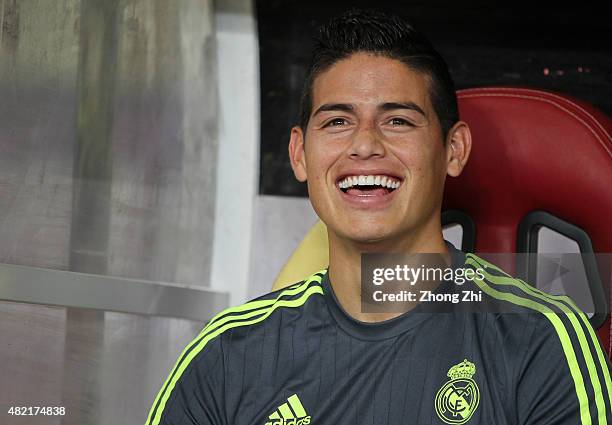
(399, 121)
(335, 122)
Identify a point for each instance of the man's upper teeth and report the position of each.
(370, 180)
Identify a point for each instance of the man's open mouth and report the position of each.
(368, 185)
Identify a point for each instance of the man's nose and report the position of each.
(366, 142)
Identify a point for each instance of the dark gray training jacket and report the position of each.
(295, 357)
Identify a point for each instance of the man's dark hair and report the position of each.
(382, 34)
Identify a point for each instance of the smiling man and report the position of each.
(375, 156)
(379, 134)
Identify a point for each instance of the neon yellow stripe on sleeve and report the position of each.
(213, 333)
(559, 327)
(590, 362)
(251, 308)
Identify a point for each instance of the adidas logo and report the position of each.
(290, 413)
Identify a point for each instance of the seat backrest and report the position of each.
(535, 150)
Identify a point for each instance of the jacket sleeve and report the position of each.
(564, 377)
(193, 393)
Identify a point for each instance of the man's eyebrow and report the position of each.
(346, 107)
(389, 106)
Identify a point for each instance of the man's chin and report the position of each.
(366, 239)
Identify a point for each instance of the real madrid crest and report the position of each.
(457, 400)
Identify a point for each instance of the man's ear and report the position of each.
(458, 147)
(297, 154)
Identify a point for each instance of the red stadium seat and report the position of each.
(536, 156)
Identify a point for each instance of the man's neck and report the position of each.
(345, 266)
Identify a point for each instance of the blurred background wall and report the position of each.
(108, 128)
(110, 125)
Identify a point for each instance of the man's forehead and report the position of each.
(370, 81)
